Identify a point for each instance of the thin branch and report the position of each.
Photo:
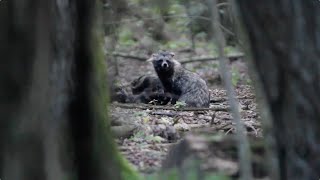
(145, 107)
(129, 56)
(182, 61)
(243, 144)
(203, 59)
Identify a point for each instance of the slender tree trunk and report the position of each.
(285, 41)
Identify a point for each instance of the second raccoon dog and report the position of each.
(146, 82)
(148, 88)
(182, 84)
(144, 89)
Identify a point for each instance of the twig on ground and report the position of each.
(231, 129)
(144, 107)
(218, 100)
(170, 114)
(223, 99)
(124, 149)
(252, 127)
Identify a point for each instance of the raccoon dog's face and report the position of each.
(162, 61)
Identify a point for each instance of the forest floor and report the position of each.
(156, 129)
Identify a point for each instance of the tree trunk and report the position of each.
(285, 41)
(53, 100)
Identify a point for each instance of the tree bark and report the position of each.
(285, 41)
(53, 101)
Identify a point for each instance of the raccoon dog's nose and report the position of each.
(165, 65)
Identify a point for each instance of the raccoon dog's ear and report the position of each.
(151, 58)
(172, 54)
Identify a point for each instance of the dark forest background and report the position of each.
(61, 60)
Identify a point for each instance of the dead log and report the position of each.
(145, 107)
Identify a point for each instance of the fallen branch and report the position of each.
(129, 56)
(204, 59)
(145, 107)
(218, 100)
(124, 149)
(223, 99)
(169, 114)
(182, 61)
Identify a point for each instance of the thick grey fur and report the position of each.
(182, 84)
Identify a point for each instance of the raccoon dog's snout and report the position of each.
(165, 64)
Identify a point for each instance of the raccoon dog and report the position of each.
(145, 89)
(182, 84)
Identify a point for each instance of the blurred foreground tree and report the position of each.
(53, 102)
(285, 41)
